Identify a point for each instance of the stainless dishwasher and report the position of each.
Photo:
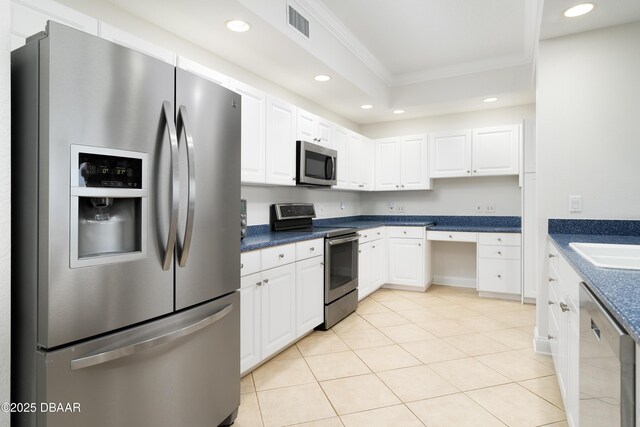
(607, 367)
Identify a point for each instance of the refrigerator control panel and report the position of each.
(98, 170)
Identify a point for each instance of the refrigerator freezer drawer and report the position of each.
(180, 370)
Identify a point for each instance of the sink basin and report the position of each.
(609, 256)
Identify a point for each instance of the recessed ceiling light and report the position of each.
(366, 106)
(238, 25)
(322, 78)
(579, 10)
(492, 99)
(398, 111)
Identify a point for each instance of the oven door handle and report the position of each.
(339, 241)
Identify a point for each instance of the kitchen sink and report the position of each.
(609, 255)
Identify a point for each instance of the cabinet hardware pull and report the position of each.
(474, 171)
(322, 263)
(552, 256)
(259, 283)
(450, 236)
(312, 249)
(419, 244)
(378, 233)
(365, 236)
(359, 251)
(281, 255)
(373, 247)
(468, 171)
(550, 337)
(499, 276)
(499, 253)
(241, 265)
(499, 239)
(404, 232)
(551, 302)
(293, 178)
(265, 281)
(551, 279)
(564, 307)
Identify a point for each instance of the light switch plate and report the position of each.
(575, 203)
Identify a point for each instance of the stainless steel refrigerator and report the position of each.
(126, 188)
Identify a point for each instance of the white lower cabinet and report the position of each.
(309, 294)
(371, 262)
(281, 298)
(408, 258)
(564, 333)
(278, 294)
(499, 267)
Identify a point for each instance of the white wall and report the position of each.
(588, 107)
(327, 202)
(5, 211)
(107, 12)
(450, 196)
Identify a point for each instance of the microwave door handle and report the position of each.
(174, 188)
(328, 167)
(185, 245)
(334, 161)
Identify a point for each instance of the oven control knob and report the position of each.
(243, 222)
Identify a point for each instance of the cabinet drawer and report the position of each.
(278, 255)
(371, 235)
(499, 252)
(408, 232)
(309, 249)
(249, 262)
(552, 256)
(509, 239)
(495, 275)
(452, 236)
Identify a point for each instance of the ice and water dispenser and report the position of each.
(109, 195)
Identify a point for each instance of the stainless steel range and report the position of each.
(340, 258)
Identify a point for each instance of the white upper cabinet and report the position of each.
(495, 150)
(312, 128)
(116, 35)
(253, 115)
(387, 164)
(450, 154)
(402, 163)
(281, 142)
(341, 145)
(477, 152)
(202, 71)
(360, 171)
(29, 17)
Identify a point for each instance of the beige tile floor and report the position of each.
(445, 357)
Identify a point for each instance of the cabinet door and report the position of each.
(306, 126)
(116, 35)
(202, 71)
(278, 326)
(324, 132)
(378, 263)
(252, 161)
(250, 321)
(309, 294)
(450, 154)
(387, 164)
(499, 275)
(366, 165)
(495, 150)
(414, 166)
(364, 270)
(341, 145)
(355, 161)
(406, 262)
(281, 142)
(30, 17)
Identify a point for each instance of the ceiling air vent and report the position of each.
(298, 22)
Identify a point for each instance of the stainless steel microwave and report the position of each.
(315, 165)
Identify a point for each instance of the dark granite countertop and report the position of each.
(617, 289)
(259, 236)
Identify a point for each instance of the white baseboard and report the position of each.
(406, 287)
(541, 344)
(499, 295)
(461, 282)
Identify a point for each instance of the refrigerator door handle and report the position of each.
(185, 245)
(129, 349)
(175, 185)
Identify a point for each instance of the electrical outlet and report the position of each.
(478, 207)
(391, 206)
(400, 208)
(490, 208)
(342, 206)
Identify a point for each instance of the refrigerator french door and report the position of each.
(126, 176)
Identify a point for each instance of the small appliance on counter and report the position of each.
(340, 257)
(243, 219)
(315, 165)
